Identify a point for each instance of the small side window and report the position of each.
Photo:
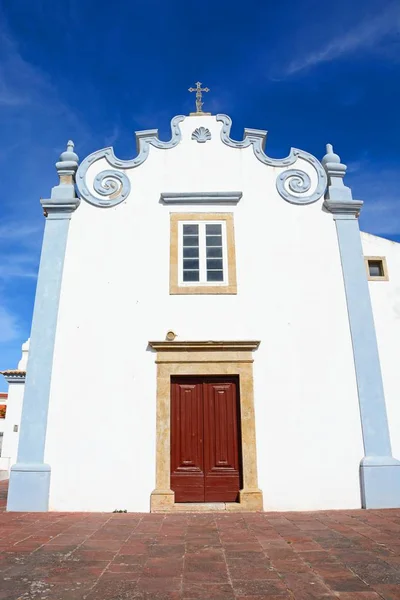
(376, 268)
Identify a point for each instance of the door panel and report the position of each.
(187, 456)
(221, 451)
(205, 465)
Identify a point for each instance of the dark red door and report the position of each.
(205, 452)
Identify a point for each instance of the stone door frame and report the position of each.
(205, 358)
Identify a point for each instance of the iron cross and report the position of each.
(198, 89)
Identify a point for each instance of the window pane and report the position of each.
(214, 252)
(191, 240)
(214, 240)
(214, 263)
(191, 252)
(213, 229)
(215, 276)
(190, 275)
(190, 230)
(375, 268)
(190, 265)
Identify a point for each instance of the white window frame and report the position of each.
(202, 255)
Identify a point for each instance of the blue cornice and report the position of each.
(114, 183)
(291, 180)
(113, 186)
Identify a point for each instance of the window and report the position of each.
(376, 268)
(202, 254)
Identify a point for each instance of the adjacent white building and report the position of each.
(10, 425)
(210, 331)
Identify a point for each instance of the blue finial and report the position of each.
(68, 163)
(63, 196)
(338, 197)
(330, 156)
(333, 166)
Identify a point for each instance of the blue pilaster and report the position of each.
(30, 476)
(379, 471)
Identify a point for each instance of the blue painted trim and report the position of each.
(39, 369)
(380, 482)
(379, 471)
(200, 197)
(365, 348)
(113, 185)
(29, 488)
(293, 180)
(111, 182)
(38, 373)
(30, 477)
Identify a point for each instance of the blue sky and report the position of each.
(309, 72)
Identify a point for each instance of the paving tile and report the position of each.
(200, 591)
(346, 555)
(306, 585)
(244, 554)
(93, 554)
(348, 583)
(159, 584)
(163, 567)
(115, 589)
(306, 546)
(156, 596)
(378, 572)
(388, 592)
(289, 596)
(359, 596)
(253, 573)
(266, 587)
(133, 568)
(109, 545)
(295, 565)
(167, 550)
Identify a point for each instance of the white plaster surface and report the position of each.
(385, 298)
(115, 298)
(13, 416)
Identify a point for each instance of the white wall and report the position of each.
(115, 298)
(3, 461)
(385, 298)
(13, 415)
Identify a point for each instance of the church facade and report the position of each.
(211, 331)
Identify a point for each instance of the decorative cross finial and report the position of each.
(199, 104)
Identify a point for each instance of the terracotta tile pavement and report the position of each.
(346, 555)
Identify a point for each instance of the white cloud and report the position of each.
(20, 82)
(110, 139)
(18, 265)
(14, 231)
(378, 189)
(9, 329)
(367, 36)
(19, 249)
(23, 85)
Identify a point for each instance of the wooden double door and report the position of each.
(205, 439)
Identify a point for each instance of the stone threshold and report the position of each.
(194, 507)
